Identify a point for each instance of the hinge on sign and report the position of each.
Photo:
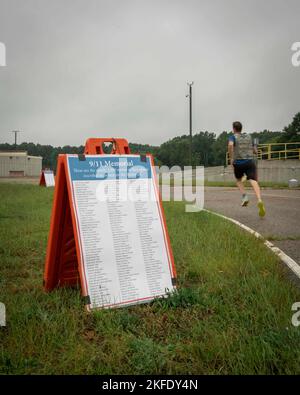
(143, 158)
(174, 280)
(81, 156)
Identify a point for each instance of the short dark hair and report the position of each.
(237, 126)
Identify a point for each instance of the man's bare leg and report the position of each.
(245, 199)
(260, 204)
(256, 189)
(240, 185)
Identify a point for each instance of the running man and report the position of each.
(241, 154)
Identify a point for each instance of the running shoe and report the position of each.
(261, 208)
(245, 201)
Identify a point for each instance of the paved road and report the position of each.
(281, 224)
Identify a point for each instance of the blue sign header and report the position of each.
(114, 167)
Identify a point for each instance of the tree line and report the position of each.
(208, 149)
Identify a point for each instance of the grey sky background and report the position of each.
(87, 68)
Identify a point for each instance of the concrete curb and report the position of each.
(287, 260)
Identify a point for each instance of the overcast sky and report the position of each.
(87, 68)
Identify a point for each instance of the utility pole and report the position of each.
(16, 134)
(191, 130)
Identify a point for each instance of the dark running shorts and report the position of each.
(248, 168)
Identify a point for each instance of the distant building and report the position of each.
(19, 164)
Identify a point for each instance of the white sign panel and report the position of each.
(49, 178)
(123, 240)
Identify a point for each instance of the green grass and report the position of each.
(232, 313)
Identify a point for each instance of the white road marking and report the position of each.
(286, 259)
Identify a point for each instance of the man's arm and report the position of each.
(230, 151)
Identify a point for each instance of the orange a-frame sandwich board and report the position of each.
(65, 261)
(47, 178)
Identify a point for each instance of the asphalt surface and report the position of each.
(281, 225)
